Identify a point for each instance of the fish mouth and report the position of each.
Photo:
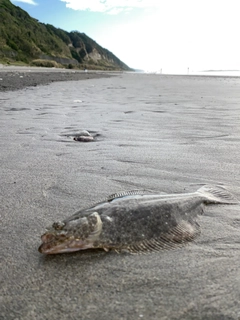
(53, 245)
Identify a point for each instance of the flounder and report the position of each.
(134, 221)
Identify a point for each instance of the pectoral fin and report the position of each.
(95, 226)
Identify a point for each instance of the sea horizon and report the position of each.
(223, 73)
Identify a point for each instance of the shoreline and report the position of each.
(13, 78)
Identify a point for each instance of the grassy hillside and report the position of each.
(24, 39)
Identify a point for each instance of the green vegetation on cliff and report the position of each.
(25, 39)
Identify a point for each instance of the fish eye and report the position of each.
(58, 225)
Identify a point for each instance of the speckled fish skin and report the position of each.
(134, 222)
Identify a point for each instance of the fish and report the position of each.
(135, 221)
(83, 136)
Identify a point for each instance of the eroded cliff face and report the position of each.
(95, 55)
(91, 55)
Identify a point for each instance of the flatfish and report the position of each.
(135, 221)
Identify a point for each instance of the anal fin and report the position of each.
(183, 233)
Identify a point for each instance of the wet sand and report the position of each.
(165, 133)
(15, 78)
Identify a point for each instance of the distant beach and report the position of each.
(15, 78)
(165, 133)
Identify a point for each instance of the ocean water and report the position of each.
(219, 73)
(223, 73)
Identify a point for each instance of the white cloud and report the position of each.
(26, 1)
(109, 6)
(117, 6)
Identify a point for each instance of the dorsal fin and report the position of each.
(184, 232)
(113, 196)
(122, 194)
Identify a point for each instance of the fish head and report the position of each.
(78, 233)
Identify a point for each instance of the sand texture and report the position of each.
(164, 133)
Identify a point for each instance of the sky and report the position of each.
(152, 35)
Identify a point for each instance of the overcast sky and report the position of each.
(172, 35)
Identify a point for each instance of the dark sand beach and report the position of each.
(170, 134)
(16, 78)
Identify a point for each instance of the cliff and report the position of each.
(25, 39)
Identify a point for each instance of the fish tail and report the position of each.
(217, 194)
